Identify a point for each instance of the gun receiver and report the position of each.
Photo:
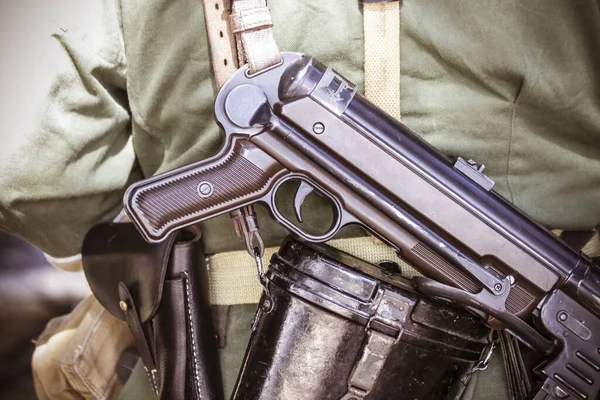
(302, 121)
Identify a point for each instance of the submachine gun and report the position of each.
(302, 121)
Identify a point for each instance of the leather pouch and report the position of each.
(161, 291)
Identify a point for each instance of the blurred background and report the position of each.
(31, 291)
(25, 29)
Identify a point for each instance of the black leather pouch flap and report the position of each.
(116, 252)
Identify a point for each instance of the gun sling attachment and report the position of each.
(331, 326)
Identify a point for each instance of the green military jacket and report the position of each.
(512, 84)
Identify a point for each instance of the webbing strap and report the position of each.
(252, 26)
(381, 25)
(245, 36)
(592, 248)
(381, 28)
(233, 278)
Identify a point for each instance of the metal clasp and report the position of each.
(391, 313)
(484, 360)
(246, 227)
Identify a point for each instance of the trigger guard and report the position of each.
(342, 217)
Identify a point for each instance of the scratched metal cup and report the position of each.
(334, 327)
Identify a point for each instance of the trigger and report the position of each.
(303, 190)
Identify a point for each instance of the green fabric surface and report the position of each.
(138, 385)
(238, 335)
(70, 171)
(514, 85)
(489, 384)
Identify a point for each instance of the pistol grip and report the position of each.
(238, 176)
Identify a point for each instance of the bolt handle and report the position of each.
(238, 176)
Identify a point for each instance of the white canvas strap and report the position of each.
(239, 32)
(381, 25)
(251, 23)
(232, 275)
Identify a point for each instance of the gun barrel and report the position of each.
(455, 203)
(506, 219)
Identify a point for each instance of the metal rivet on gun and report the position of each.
(318, 128)
(205, 189)
(562, 316)
(497, 287)
(560, 393)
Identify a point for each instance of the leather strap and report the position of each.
(254, 18)
(222, 43)
(246, 36)
(381, 24)
(141, 342)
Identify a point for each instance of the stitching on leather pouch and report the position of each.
(193, 337)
